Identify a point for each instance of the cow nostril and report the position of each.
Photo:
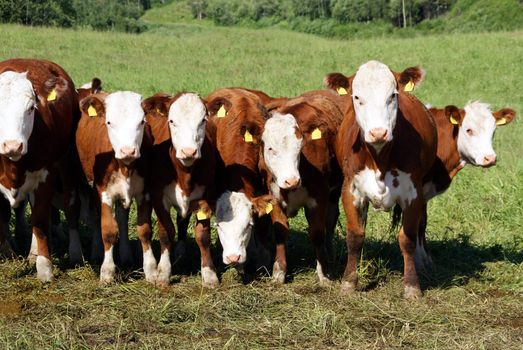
(233, 259)
(378, 134)
(292, 182)
(12, 147)
(489, 160)
(189, 152)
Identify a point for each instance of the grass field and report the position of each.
(474, 297)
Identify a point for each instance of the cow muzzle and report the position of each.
(489, 160)
(291, 183)
(128, 154)
(12, 149)
(378, 135)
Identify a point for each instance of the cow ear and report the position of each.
(92, 106)
(219, 107)
(157, 105)
(453, 114)
(276, 103)
(337, 82)
(52, 90)
(410, 78)
(263, 205)
(96, 85)
(504, 116)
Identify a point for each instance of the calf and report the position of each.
(113, 143)
(38, 113)
(385, 146)
(184, 164)
(299, 158)
(239, 115)
(464, 137)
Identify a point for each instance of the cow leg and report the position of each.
(124, 245)
(202, 233)
(57, 232)
(143, 229)
(166, 232)
(94, 222)
(22, 235)
(281, 236)
(40, 214)
(182, 225)
(422, 258)
(6, 250)
(109, 235)
(408, 240)
(356, 217)
(72, 215)
(317, 234)
(333, 213)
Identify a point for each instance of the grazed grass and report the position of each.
(473, 299)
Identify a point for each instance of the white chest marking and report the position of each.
(396, 187)
(173, 195)
(296, 199)
(123, 188)
(32, 180)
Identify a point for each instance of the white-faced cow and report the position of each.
(183, 164)
(38, 116)
(385, 146)
(113, 142)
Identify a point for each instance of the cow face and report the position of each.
(477, 125)
(124, 118)
(17, 113)
(282, 143)
(234, 222)
(187, 120)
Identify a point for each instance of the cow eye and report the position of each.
(470, 132)
(108, 122)
(356, 98)
(143, 122)
(171, 121)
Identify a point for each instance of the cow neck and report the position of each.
(183, 173)
(377, 160)
(454, 163)
(12, 173)
(126, 169)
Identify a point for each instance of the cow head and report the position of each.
(374, 90)
(282, 143)
(124, 118)
(477, 124)
(234, 222)
(17, 112)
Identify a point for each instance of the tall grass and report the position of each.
(473, 299)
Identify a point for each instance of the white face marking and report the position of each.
(383, 194)
(187, 119)
(234, 224)
(123, 188)
(475, 133)
(374, 94)
(281, 150)
(17, 110)
(125, 121)
(32, 179)
(174, 196)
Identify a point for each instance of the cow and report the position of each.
(184, 163)
(39, 113)
(385, 147)
(114, 142)
(464, 137)
(239, 115)
(302, 171)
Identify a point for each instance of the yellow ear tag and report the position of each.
(91, 111)
(201, 215)
(221, 112)
(268, 208)
(453, 120)
(409, 87)
(52, 95)
(316, 134)
(342, 91)
(248, 136)
(501, 121)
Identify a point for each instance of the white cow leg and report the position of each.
(108, 268)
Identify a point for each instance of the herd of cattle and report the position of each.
(237, 154)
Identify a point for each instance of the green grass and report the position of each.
(473, 299)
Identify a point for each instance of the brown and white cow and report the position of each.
(464, 137)
(386, 145)
(38, 113)
(302, 171)
(113, 142)
(239, 115)
(183, 164)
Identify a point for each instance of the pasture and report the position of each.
(473, 298)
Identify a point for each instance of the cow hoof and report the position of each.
(209, 278)
(325, 282)
(107, 273)
(179, 250)
(348, 287)
(44, 269)
(412, 292)
(278, 275)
